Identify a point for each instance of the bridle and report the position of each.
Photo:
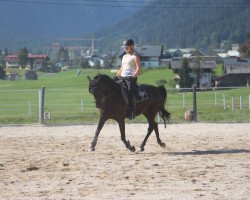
(101, 99)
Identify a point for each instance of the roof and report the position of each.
(37, 56)
(31, 56)
(150, 51)
(233, 53)
(147, 51)
(232, 80)
(205, 64)
(222, 55)
(232, 65)
(11, 57)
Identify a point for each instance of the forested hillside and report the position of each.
(173, 23)
(183, 23)
(32, 23)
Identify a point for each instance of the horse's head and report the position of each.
(100, 85)
(92, 85)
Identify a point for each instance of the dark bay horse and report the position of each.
(111, 104)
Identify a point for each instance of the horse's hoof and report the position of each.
(163, 145)
(91, 149)
(132, 149)
(141, 149)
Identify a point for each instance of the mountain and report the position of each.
(30, 23)
(182, 23)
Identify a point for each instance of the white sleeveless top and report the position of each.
(128, 65)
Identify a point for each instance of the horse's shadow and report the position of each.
(208, 152)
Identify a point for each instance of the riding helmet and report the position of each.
(128, 42)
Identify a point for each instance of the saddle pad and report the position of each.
(142, 94)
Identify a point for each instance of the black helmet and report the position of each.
(128, 42)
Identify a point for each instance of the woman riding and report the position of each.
(130, 69)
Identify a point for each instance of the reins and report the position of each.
(100, 101)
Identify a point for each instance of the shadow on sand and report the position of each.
(207, 152)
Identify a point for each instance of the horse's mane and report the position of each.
(105, 79)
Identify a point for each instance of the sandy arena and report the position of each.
(201, 161)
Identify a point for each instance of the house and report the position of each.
(11, 61)
(185, 53)
(150, 56)
(96, 62)
(233, 53)
(35, 62)
(205, 65)
(236, 73)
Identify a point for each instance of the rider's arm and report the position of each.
(119, 72)
(138, 66)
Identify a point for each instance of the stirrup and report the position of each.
(131, 114)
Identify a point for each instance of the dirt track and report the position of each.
(201, 161)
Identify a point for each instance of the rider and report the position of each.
(130, 69)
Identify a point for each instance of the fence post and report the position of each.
(240, 102)
(194, 103)
(232, 103)
(81, 105)
(29, 108)
(41, 105)
(224, 101)
(215, 99)
(249, 102)
(183, 100)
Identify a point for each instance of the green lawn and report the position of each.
(68, 101)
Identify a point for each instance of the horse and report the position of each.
(112, 105)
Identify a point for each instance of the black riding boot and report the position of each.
(132, 107)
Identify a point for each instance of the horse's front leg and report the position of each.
(123, 136)
(98, 130)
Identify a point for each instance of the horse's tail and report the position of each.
(165, 115)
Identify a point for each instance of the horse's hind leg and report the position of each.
(123, 136)
(98, 130)
(151, 123)
(152, 126)
(162, 144)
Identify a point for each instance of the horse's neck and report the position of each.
(108, 87)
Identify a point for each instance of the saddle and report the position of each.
(140, 92)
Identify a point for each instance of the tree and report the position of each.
(63, 55)
(185, 79)
(22, 57)
(2, 73)
(4, 54)
(5, 51)
(45, 65)
(245, 48)
(97, 63)
(214, 40)
(31, 75)
(84, 63)
(197, 70)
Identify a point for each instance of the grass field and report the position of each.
(68, 101)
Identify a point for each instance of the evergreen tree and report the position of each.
(2, 73)
(4, 54)
(63, 55)
(245, 48)
(22, 57)
(97, 64)
(185, 79)
(197, 71)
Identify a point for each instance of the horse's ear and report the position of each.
(89, 78)
(99, 77)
